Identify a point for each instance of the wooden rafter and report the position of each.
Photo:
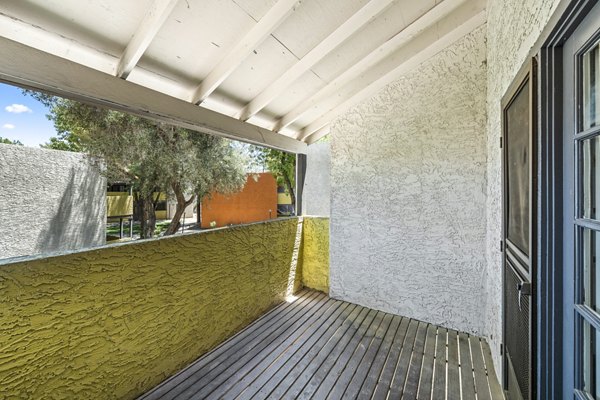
(380, 53)
(337, 37)
(155, 17)
(274, 17)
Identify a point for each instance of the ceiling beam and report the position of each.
(53, 43)
(368, 87)
(74, 50)
(155, 17)
(337, 37)
(318, 135)
(35, 69)
(267, 24)
(386, 49)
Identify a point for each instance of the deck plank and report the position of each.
(411, 386)
(441, 365)
(348, 366)
(291, 389)
(249, 371)
(481, 384)
(401, 373)
(320, 348)
(395, 335)
(287, 360)
(453, 380)
(466, 368)
(495, 388)
(383, 384)
(300, 373)
(426, 378)
(354, 386)
(327, 372)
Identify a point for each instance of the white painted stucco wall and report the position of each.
(513, 28)
(316, 196)
(408, 193)
(49, 201)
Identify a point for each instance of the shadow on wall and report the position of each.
(80, 217)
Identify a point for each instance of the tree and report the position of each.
(152, 156)
(281, 164)
(198, 164)
(64, 144)
(8, 141)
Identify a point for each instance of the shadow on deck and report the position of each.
(319, 348)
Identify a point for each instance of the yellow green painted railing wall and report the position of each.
(315, 253)
(116, 321)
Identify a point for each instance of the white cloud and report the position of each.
(17, 108)
(8, 126)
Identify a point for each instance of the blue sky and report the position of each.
(23, 118)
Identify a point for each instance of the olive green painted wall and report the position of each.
(315, 253)
(114, 322)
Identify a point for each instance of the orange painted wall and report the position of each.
(252, 204)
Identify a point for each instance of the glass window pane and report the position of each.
(517, 166)
(591, 88)
(591, 358)
(590, 178)
(591, 278)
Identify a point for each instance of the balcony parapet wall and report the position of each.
(115, 321)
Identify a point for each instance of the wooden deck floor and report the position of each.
(321, 348)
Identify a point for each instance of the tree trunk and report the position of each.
(182, 204)
(147, 207)
(290, 188)
(140, 206)
(146, 230)
(152, 212)
(199, 212)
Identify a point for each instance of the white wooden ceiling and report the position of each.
(275, 72)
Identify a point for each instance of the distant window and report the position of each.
(161, 205)
(118, 187)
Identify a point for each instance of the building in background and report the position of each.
(51, 201)
(256, 202)
(284, 202)
(165, 209)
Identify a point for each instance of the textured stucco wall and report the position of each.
(513, 28)
(408, 193)
(49, 201)
(316, 196)
(113, 322)
(315, 254)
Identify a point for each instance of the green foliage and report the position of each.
(152, 156)
(281, 164)
(62, 142)
(8, 141)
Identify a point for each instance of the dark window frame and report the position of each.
(551, 314)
